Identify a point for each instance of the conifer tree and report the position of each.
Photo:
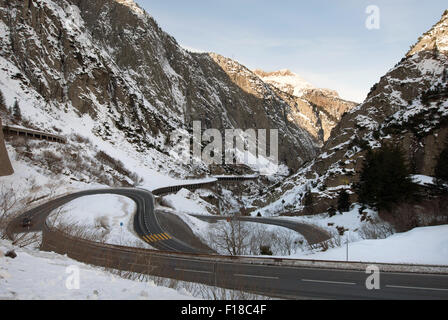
(344, 201)
(16, 112)
(385, 178)
(2, 102)
(441, 170)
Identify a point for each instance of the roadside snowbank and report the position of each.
(35, 275)
(111, 216)
(428, 245)
(186, 201)
(350, 221)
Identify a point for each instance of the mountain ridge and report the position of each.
(408, 108)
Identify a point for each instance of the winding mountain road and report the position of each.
(313, 235)
(293, 279)
(145, 221)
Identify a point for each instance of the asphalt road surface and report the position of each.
(273, 280)
(145, 222)
(312, 234)
(305, 282)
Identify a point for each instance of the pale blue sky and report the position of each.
(324, 41)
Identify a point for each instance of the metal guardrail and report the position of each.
(142, 260)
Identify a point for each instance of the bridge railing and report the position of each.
(28, 133)
(200, 185)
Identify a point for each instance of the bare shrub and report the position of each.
(230, 238)
(80, 139)
(8, 204)
(376, 229)
(137, 180)
(407, 216)
(243, 238)
(115, 164)
(33, 240)
(288, 242)
(72, 228)
(10, 208)
(53, 161)
(82, 232)
(335, 241)
(17, 142)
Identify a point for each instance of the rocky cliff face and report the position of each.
(317, 110)
(407, 107)
(435, 39)
(107, 63)
(5, 164)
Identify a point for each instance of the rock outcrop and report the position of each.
(110, 61)
(408, 107)
(5, 164)
(317, 110)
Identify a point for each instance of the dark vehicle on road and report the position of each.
(26, 223)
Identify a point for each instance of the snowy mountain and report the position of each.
(318, 110)
(286, 81)
(104, 69)
(408, 107)
(435, 39)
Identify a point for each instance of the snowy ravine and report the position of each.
(35, 275)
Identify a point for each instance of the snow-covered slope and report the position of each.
(418, 246)
(286, 81)
(434, 39)
(317, 110)
(37, 275)
(408, 107)
(105, 69)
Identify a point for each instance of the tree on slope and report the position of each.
(16, 112)
(385, 179)
(2, 102)
(344, 201)
(441, 170)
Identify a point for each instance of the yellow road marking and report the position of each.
(156, 237)
(164, 236)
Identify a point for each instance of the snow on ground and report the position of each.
(423, 180)
(349, 220)
(186, 201)
(286, 80)
(428, 245)
(35, 275)
(109, 215)
(269, 235)
(280, 240)
(32, 182)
